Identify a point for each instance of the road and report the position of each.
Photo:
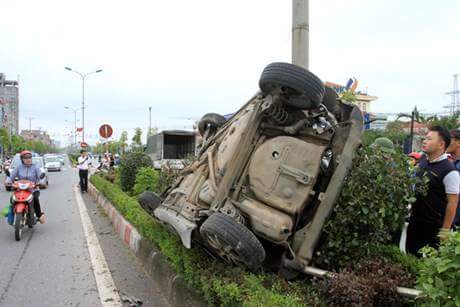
(52, 266)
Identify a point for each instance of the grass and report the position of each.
(218, 283)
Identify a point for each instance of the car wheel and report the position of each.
(210, 120)
(232, 241)
(305, 89)
(149, 201)
(8, 188)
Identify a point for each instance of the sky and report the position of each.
(187, 58)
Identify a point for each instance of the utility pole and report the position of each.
(30, 123)
(455, 104)
(412, 120)
(300, 33)
(150, 122)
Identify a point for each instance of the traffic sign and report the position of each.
(105, 131)
(83, 145)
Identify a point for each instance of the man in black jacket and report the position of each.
(432, 214)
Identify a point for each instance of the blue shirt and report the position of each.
(26, 172)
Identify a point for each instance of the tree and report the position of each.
(17, 143)
(4, 139)
(395, 127)
(137, 139)
(448, 122)
(114, 146)
(122, 141)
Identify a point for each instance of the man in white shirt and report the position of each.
(83, 166)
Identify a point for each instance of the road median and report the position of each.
(190, 277)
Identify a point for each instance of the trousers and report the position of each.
(83, 173)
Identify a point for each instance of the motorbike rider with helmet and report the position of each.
(29, 171)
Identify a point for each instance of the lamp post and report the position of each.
(74, 123)
(83, 77)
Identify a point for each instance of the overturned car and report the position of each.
(265, 180)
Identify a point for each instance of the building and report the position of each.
(37, 135)
(9, 104)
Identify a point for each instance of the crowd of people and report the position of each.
(436, 212)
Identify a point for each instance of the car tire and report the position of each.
(213, 120)
(232, 241)
(149, 201)
(8, 188)
(306, 89)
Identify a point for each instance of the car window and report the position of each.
(52, 159)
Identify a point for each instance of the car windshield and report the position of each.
(37, 161)
(52, 159)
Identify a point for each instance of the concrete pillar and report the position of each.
(300, 33)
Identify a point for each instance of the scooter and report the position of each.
(22, 206)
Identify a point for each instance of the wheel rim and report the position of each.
(224, 250)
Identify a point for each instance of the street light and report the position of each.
(83, 76)
(74, 123)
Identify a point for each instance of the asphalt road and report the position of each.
(51, 265)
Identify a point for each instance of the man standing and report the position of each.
(432, 214)
(454, 151)
(83, 166)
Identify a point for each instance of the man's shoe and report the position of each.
(42, 219)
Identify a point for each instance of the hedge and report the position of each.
(216, 282)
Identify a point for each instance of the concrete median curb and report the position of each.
(172, 285)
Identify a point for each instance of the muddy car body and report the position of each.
(265, 181)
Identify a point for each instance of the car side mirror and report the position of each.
(42, 175)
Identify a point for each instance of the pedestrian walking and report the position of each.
(454, 151)
(83, 166)
(432, 213)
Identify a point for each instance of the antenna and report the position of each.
(455, 104)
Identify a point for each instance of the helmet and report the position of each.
(25, 153)
(384, 144)
(415, 155)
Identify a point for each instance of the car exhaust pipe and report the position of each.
(406, 292)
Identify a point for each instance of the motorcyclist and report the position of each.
(29, 171)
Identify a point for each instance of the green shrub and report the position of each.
(439, 277)
(146, 180)
(129, 165)
(73, 158)
(372, 207)
(219, 284)
(396, 137)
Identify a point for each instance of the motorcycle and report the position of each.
(22, 206)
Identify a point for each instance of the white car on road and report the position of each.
(52, 163)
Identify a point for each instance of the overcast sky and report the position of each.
(187, 58)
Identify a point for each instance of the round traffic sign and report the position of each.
(105, 131)
(83, 145)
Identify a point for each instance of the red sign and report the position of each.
(105, 131)
(83, 145)
(79, 129)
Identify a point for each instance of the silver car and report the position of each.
(38, 161)
(52, 163)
